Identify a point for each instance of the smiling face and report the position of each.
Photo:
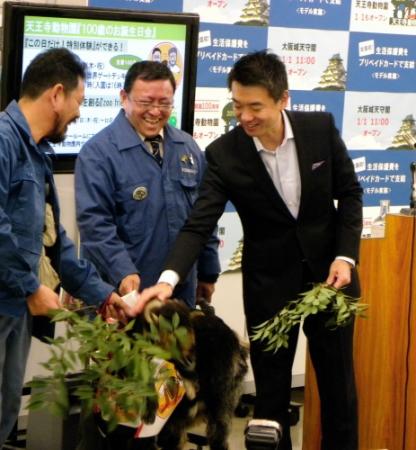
(172, 58)
(157, 55)
(258, 113)
(147, 105)
(67, 111)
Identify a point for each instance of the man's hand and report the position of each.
(129, 283)
(205, 290)
(42, 301)
(116, 309)
(339, 274)
(162, 291)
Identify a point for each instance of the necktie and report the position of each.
(155, 147)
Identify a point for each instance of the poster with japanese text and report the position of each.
(109, 49)
(355, 59)
(381, 63)
(327, 15)
(230, 12)
(378, 120)
(320, 101)
(220, 46)
(315, 60)
(392, 17)
(213, 115)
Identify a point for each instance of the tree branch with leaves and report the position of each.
(341, 307)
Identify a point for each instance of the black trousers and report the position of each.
(331, 355)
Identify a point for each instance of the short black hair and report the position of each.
(53, 66)
(173, 50)
(260, 68)
(148, 71)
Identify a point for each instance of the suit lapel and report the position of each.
(305, 158)
(250, 158)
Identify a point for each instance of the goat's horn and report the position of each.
(149, 311)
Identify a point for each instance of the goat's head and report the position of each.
(173, 321)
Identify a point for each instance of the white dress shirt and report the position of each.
(147, 143)
(283, 167)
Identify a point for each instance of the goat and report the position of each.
(212, 367)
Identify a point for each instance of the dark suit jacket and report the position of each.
(276, 245)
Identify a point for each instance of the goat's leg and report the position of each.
(218, 430)
(172, 437)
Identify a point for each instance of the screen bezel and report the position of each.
(12, 55)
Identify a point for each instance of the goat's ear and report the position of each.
(151, 311)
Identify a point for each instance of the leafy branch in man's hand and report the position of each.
(111, 368)
(340, 306)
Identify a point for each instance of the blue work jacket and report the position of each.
(130, 209)
(25, 170)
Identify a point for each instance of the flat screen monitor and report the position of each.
(109, 41)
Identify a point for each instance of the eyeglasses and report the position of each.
(150, 105)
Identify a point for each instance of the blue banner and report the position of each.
(220, 46)
(381, 63)
(384, 175)
(326, 101)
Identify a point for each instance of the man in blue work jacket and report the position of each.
(135, 183)
(52, 92)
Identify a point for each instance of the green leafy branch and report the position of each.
(111, 368)
(340, 306)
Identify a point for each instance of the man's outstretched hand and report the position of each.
(161, 291)
(116, 309)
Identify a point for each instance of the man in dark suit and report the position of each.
(283, 171)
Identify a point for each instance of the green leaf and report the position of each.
(164, 324)
(184, 336)
(175, 320)
(321, 297)
(117, 364)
